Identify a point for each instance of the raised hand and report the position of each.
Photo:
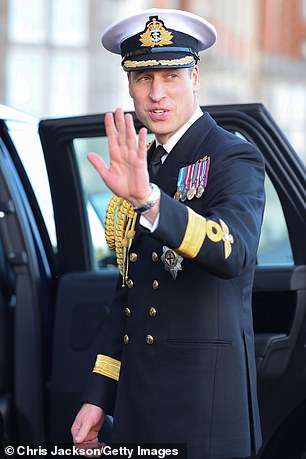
(127, 175)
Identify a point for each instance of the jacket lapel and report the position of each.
(187, 151)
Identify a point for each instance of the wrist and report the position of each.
(144, 207)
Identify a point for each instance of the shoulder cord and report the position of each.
(120, 221)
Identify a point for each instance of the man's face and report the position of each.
(164, 99)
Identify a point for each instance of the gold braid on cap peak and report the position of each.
(120, 220)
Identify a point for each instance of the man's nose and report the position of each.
(157, 90)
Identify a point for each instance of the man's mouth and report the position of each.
(159, 114)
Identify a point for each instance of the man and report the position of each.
(176, 364)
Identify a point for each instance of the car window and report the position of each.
(27, 143)
(96, 196)
(274, 244)
(274, 247)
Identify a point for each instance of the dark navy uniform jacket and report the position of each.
(177, 360)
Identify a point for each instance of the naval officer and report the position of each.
(176, 362)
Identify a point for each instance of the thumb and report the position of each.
(98, 163)
(82, 433)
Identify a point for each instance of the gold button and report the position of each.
(130, 283)
(154, 256)
(155, 285)
(133, 257)
(149, 339)
(128, 312)
(126, 339)
(152, 312)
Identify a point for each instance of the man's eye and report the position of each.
(143, 78)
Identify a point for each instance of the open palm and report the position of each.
(127, 175)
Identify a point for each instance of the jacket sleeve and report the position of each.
(102, 386)
(221, 229)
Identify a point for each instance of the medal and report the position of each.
(191, 193)
(172, 261)
(184, 195)
(187, 183)
(180, 184)
(200, 191)
(204, 164)
(192, 190)
(184, 184)
(201, 187)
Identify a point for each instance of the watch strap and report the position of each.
(153, 198)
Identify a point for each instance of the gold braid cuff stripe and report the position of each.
(150, 63)
(107, 366)
(194, 235)
(196, 231)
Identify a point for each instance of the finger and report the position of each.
(121, 127)
(75, 427)
(110, 127)
(98, 163)
(82, 435)
(111, 131)
(131, 136)
(142, 143)
(80, 429)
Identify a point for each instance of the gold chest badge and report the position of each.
(155, 34)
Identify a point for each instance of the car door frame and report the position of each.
(284, 168)
(253, 120)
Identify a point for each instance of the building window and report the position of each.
(27, 21)
(50, 53)
(73, 32)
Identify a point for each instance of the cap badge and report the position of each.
(155, 34)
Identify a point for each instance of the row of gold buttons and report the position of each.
(130, 284)
(152, 312)
(134, 257)
(149, 339)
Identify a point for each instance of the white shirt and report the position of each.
(168, 146)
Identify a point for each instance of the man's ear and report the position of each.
(129, 82)
(195, 76)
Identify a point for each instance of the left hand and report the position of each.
(86, 427)
(127, 175)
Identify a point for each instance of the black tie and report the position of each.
(155, 162)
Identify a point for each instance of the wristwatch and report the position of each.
(153, 198)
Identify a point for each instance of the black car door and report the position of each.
(86, 270)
